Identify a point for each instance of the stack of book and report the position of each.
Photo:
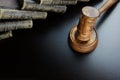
(22, 18)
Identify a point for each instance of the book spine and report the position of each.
(6, 35)
(14, 25)
(57, 2)
(20, 14)
(25, 5)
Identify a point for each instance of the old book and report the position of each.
(14, 25)
(6, 35)
(20, 14)
(31, 5)
(57, 2)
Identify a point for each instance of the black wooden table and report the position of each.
(43, 52)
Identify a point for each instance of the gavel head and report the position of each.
(83, 37)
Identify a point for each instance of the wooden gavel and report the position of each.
(83, 37)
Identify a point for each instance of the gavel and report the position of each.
(83, 37)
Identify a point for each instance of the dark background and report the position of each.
(43, 52)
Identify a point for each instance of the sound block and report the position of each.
(82, 46)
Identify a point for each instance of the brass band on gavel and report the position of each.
(30, 5)
(20, 14)
(14, 25)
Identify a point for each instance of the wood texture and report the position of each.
(83, 39)
(82, 46)
(107, 5)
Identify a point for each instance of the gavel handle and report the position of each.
(107, 5)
